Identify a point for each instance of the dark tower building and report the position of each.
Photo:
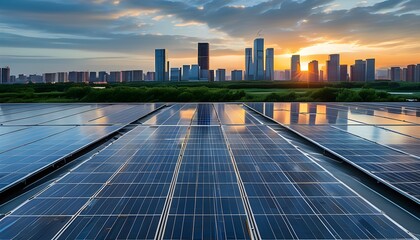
(344, 72)
(204, 56)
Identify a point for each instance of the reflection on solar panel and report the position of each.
(193, 171)
(26, 150)
(391, 157)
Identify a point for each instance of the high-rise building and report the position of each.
(62, 77)
(92, 77)
(204, 57)
(359, 71)
(395, 74)
(248, 64)
(115, 77)
(211, 75)
(103, 76)
(344, 75)
(195, 72)
(49, 77)
(137, 75)
(333, 68)
(417, 73)
(411, 71)
(295, 68)
(5, 75)
(321, 75)
(175, 74)
(72, 76)
(370, 70)
(236, 75)
(404, 74)
(204, 74)
(220, 75)
(81, 77)
(160, 65)
(313, 71)
(186, 72)
(150, 76)
(126, 76)
(287, 75)
(269, 64)
(259, 59)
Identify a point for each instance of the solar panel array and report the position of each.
(374, 144)
(27, 148)
(193, 176)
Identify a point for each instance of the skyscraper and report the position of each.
(417, 73)
(359, 71)
(236, 75)
(175, 74)
(313, 71)
(404, 75)
(411, 72)
(221, 75)
(195, 72)
(259, 59)
(295, 68)
(137, 75)
(62, 77)
(334, 68)
(370, 70)
(126, 76)
(269, 67)
(103, 76)
(5, 75)
(186, 72)
(115, 77)
(248, 64)
(344, 72)
(395, 74)
(92, 77)
(204, 56)
(287, 75)
(160, 65)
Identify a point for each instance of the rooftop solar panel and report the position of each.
(200, 171)
(356, 144)
(284, 203)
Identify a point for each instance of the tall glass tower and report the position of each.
(259, 59)
(160, 65)
(269, 67)
(248, 64)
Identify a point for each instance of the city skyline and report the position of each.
(123, 34)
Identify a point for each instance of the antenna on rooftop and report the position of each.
(259, 33)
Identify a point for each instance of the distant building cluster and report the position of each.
(259, 65)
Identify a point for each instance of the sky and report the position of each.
(38, 36)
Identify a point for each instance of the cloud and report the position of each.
(136, 27)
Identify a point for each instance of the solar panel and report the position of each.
(286, 204)
(25, 151)
(389, 157)
(195, 171)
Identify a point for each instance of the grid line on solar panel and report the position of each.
(45, 195)
(39, 118)
(356, 151)
(20, 163)
(139, 190)
(270, 197)
(33, 149)
(175, 115)
(206, 194)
